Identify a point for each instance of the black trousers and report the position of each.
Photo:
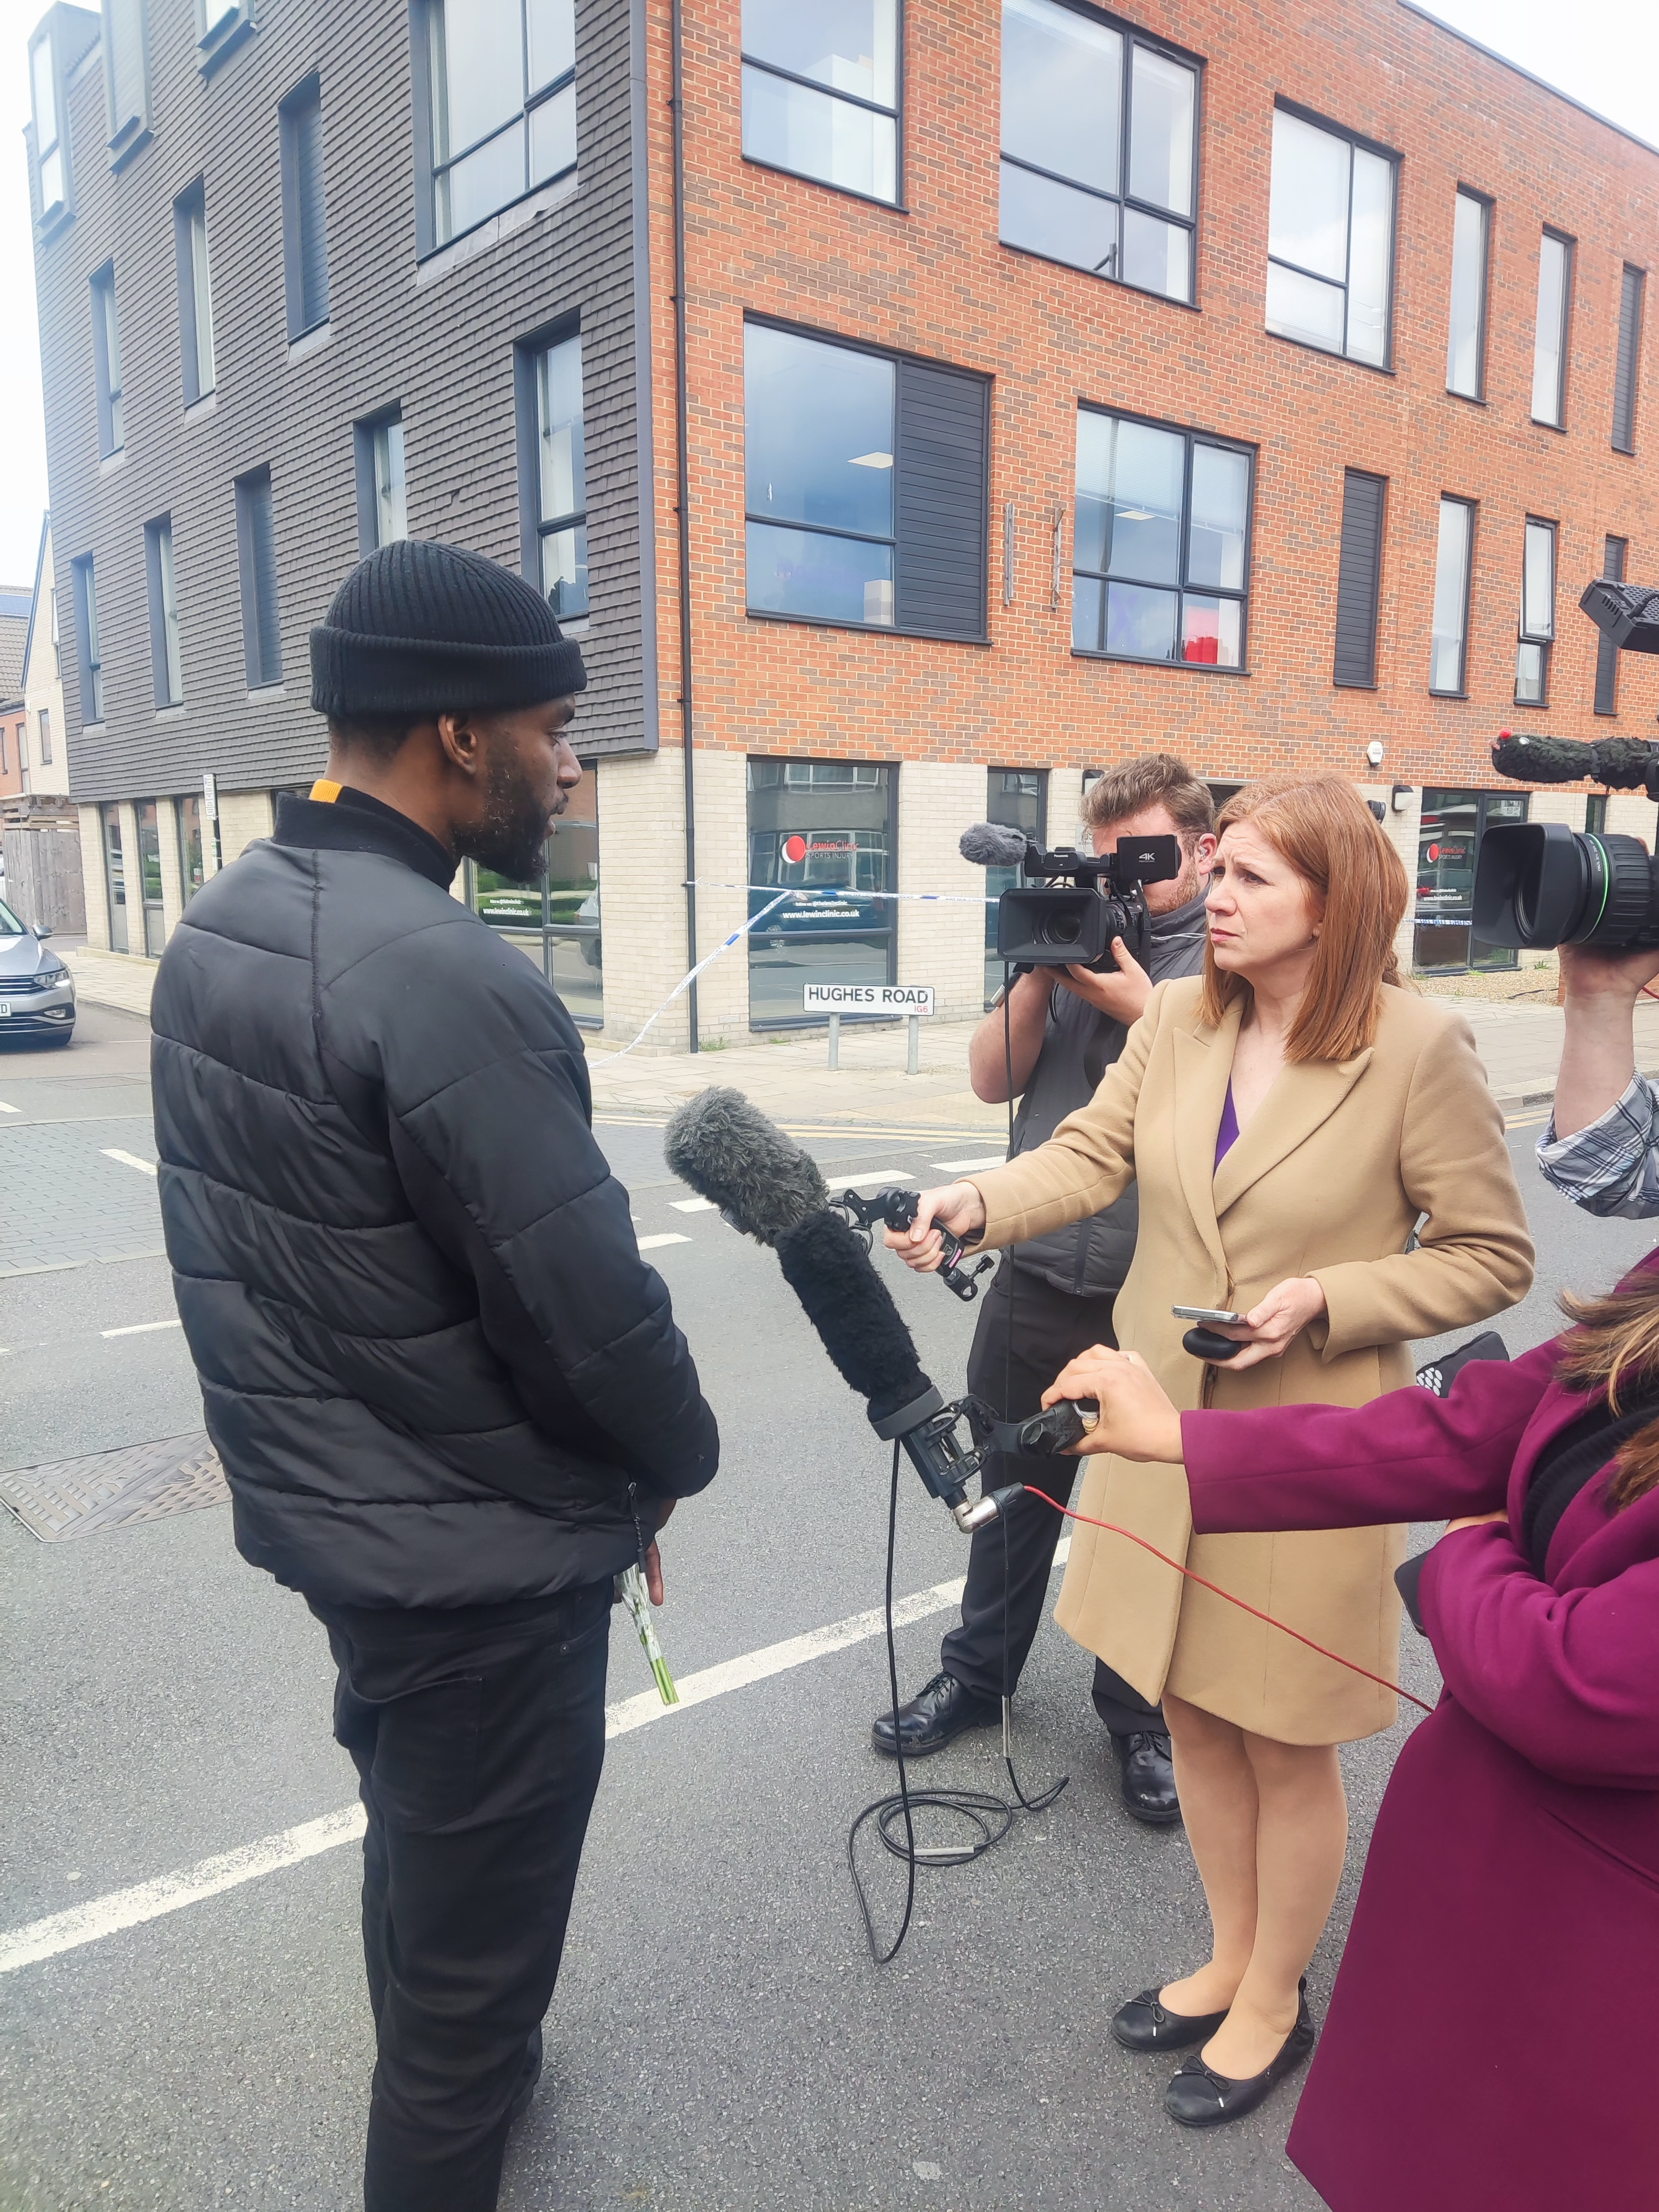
(1011, 1370)
(478, 1739)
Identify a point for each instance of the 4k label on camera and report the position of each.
(868, 998)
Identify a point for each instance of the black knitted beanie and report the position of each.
(420, 628)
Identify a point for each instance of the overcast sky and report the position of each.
(1606, 58)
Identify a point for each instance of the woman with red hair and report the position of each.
(1291, 1117)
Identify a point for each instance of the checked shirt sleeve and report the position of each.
(1611, 1167)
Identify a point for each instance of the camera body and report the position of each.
(1047, 926)
(1539, 883)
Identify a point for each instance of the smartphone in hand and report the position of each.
(1204, 1313)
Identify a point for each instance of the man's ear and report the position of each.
(458, 740)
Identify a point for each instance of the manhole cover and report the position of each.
(115, 1489)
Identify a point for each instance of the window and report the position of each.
(166, 668)
(1549, 345)
(826, 828)
(1627, 374)
(1447, 847)
(86, 622)
(553, 916)
(195, 293)
(1595, 814)
(3, 749)
(115, 884)
(1449, 655)
(1161, 543)
(305, 234)
(1099, 148)
(126, 79)
(820, 91)
(22, 746)
(187, 818)
(1532, 661)
(1359, 579)
(222, 25)
(554, 475)
(867, 485)
(1018, 798)
(149, 877)
(1466, 337)
(1607, 652)
(107, 361)
(1330, 240)
(44, 733)
(51, 166)
(501, 92)
(382, 491)
(255, 544)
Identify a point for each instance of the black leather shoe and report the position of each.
(1146, 2024)
(941, 1711)
(527, 2079)
(1198, 2097)
(1148, 1782)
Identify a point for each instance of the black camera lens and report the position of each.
(1541, 884)
(1062, 926)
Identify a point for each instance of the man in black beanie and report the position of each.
(449, 1396)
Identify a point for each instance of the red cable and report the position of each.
(1112, 1529)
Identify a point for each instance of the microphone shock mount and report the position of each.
(897, 1210)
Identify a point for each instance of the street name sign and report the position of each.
(868, 999)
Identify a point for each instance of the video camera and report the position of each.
(1056, 928)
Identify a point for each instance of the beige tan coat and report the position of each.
(1328, 1179)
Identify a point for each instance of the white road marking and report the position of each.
(4, 1109)
(692, 1204)
(129, 1160)
(844, 1176)
(653, 1243)
(142, 1327)
(970, 1167)
(169, 1892)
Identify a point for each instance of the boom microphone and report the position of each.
(729, 1152)
(991, 845)
(1621, 764)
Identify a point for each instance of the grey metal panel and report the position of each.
(1607, 652)
(1359, 577)
(941, 465)
(1630, 353)
(436, 339)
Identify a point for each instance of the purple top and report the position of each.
(1227, 1135)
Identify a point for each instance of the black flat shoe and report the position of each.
(941, 1710)
(1147, 1782)
(1198, 2097)
(1146, 2024)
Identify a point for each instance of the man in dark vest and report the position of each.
(1052, 1298)
(449, 1396)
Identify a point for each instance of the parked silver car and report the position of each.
(37, 992)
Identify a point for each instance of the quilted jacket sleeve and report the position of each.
(486, 1106)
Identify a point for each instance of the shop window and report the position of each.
(553, 916)
(150, 876)
(187, 814)
(1447, 847)
(827, 830)
(115, 878)
(1018, 798)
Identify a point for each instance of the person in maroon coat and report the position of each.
(1491, 2037)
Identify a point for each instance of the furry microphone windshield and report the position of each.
(990, 845)
(1621, 764)
(826, 1265)
(730, 1152)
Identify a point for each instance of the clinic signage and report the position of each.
(868, 998)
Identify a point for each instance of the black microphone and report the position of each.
(764, 1185)
(1621, 764)
(991, 845)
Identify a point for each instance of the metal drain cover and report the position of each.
(116, 1489)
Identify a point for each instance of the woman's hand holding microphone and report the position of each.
(956, 1206)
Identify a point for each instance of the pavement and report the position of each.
(720, 2041)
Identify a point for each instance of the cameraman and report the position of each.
(1601, 1148)
(1052, 1298)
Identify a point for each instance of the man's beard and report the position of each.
(508, 839)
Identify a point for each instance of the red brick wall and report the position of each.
(935, 280)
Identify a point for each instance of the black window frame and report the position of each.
(1627, 362)
(1133, 34)
(127, 133)
(430, 171)
(365, 433)
(187, 206)
(157, 573)
(1472, 508)
(1487, 206)
(746, 60)
(251, 540)
(1393, 156)
(759, 896)
(1354, 595)
(1615, 552)
(1523, 636)
(89, 640)
(900, 359)
(106, 375)
(1181, 587)
(216, 42)
(293, 112)
(1566, 240)
(527, 354)
(1595, 814)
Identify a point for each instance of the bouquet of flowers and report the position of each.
(631, 1585)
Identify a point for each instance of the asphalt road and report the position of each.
(720, 2041)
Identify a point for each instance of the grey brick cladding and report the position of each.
(435, 337)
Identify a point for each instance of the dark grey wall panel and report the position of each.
(1359, 578)
(941, 475)
(1630, 353)
(436, 339)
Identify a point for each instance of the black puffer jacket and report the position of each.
(436, 1368)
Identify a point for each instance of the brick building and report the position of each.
(1046, 383)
